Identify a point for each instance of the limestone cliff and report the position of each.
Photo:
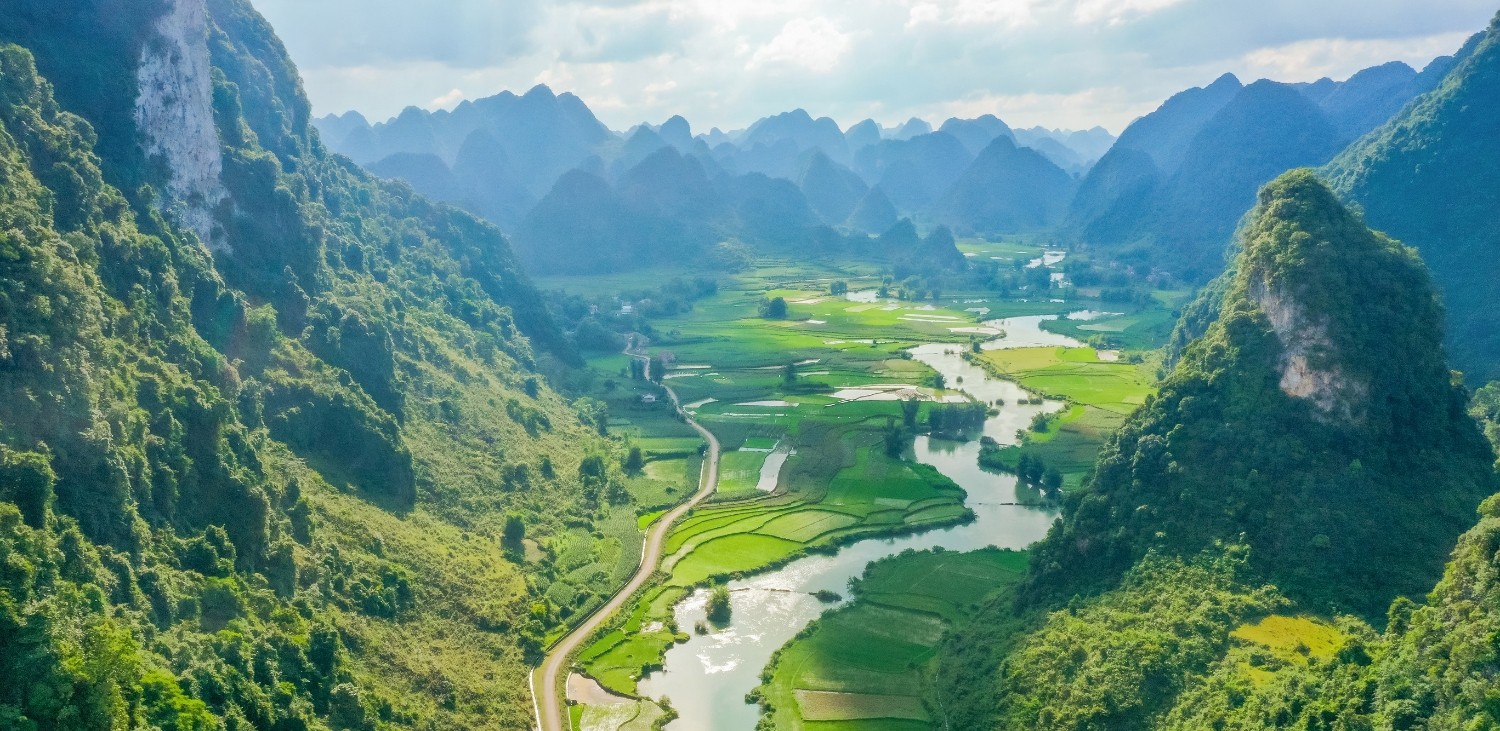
(1309, 362)
(175, 117)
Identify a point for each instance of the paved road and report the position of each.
(547, 681)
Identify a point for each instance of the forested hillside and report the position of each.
(1428, 177)
(275, 440)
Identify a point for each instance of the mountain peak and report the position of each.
(1315, 421)
(1302, 301)
(540, 91)
(1228, 80)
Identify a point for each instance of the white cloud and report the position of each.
(1112, 106)
(1117, 11)
(726, 63)
(447, 101)
(1339, 57)
(1004, 13)
(814, 44)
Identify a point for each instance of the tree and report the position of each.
(789, 374)
(1040, 424)
(26, 479)
(839, 288)
(895, 439)
(1035, 471)
(909, 410)
(514, 531)
(634, 461)
(718, 605)
(1052, 480)
(774, 308)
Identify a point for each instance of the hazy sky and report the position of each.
(1068, 63)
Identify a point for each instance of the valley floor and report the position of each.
(815, 396)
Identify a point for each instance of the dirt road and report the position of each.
(547, 681)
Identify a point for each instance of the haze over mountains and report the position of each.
(1162, 200)
(1169, 192)
(517, 160)
(1176, 181)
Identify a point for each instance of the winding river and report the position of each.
(708, 676)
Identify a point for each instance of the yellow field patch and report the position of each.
(819, 705)
(1293, 638)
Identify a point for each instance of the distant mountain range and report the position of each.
(1170, 191)
(543, 167)
(1164, 198)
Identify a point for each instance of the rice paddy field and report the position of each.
(1100, 393)
(848, 373)
(863, 667)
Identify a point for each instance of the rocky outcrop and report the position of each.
(174, 114)
(1309, 368)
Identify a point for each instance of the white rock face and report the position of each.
(175, 116)
(1305, 342)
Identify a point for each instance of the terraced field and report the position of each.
(873, 494)
(863, 666)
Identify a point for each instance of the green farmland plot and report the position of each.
(731, 367)
(739, 471)
(864, 666)
(1100, 393)
(866, 494)
(1075, 374)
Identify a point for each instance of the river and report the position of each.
(708, 676)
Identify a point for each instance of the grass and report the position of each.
(731, 554)
(820, 705)
(1280, 642)
(760, 443)
(740, 471)
(1101, 394)
(1293, 639)
(1075, 374)
(665, 482)
(867, 663)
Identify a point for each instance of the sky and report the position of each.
(1056, 63)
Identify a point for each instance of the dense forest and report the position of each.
(260, 443)
(1426, 177)
(292, 444)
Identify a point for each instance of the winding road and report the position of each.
(547, 681)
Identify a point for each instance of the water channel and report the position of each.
(708, 676)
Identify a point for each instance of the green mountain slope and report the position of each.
(1430, 178)
(261, 483)
(1316, 419)
(1308, 456)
